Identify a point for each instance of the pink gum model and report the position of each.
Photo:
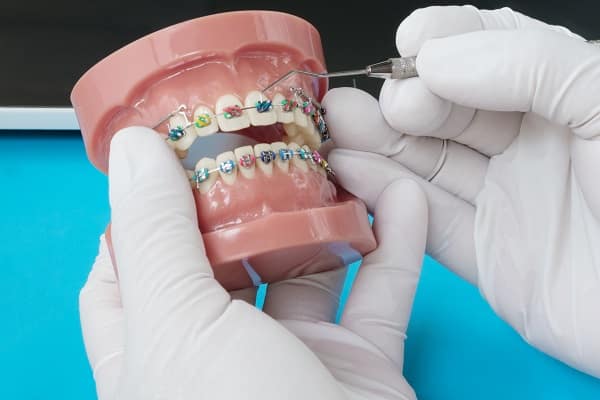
(283, 220)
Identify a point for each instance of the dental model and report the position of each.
(267, 208)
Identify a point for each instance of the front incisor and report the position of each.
(259, 118)
(231, 124)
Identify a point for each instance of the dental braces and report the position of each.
(267, 156)
(302, 101)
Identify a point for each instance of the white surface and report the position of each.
(43, 118)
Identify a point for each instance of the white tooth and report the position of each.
(228, 178)
(208, 116)
(266, 168)
(285, 117)
(312, 138)
(292, 130)
(296, 160)
(310, 162)
(259, 118)
(179, 120)
(209, 164)
(282, 164)
(246, 152)
(298, 140)
(311, 135)
(234, 123)
(300, 118)
(309, 127)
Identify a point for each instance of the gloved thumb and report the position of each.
(157, 246)
(102, 324)
(530, 70)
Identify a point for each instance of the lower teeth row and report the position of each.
(247, 161)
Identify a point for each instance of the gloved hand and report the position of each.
(167, 330)
(514, 199)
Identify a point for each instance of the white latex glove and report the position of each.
(167, 330)
(515, 208)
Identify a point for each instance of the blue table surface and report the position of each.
(53, 208)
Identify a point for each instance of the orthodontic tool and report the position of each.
(392, 68)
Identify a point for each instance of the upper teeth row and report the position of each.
(258, 110)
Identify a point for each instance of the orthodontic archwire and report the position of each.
(308, 106)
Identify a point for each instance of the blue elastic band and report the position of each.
(256, 281)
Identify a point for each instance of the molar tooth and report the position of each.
(310, 125)
(246, 160)
(285, 117)
(280, 148)
(298, 160)
(227, 167)
(287, 140)
(260, 150)
(311, 163)
(291, 129)
(178, 121)
(205, 122)
(268, 117)
(205, 180)
(312, 137)
(235, 120)
(298, 140)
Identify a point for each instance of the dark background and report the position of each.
(46, 45)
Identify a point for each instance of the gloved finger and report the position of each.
(443, 21)
(380, 303)
(451, 220)
(311, 298)
(518, 70)
(355, 122)
(102, 323)
(248, 295)
(411, 106)
(165, 277)
(585, 155)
